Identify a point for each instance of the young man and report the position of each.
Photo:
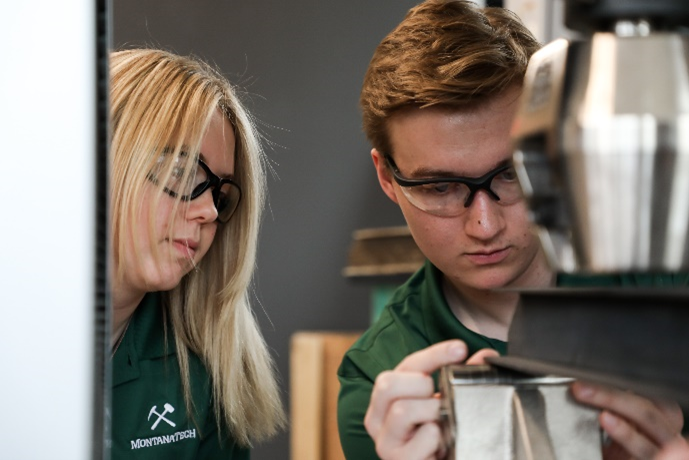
(438, 101)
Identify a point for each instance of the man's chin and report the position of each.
(494, 281)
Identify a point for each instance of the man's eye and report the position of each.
(437, 188)
(508, 175)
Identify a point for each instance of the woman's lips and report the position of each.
(488, 257)
(186, 247)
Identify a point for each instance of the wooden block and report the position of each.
(314, 359)
(306, 405)
(382, 252)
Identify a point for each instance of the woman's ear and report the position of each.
(384, 176)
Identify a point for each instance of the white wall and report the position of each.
(47, 122)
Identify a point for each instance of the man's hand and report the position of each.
(676, 450)
(639, 427)
(402, 417)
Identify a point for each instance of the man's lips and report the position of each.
(489, 256)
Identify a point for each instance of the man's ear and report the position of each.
(384, 176)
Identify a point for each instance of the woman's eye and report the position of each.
(177, 172)
(222, 201)
(181, 181)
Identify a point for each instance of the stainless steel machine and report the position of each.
(602, 153)
(603, 139)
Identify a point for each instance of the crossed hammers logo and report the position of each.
(168, 409)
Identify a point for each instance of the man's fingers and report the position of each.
(480, 356)
(623, 433)
(389, 387)
(402, 426)
(434, 357)
(676, 450)
(403, 412)
(673, 413)
(423, 444)
(660, 421)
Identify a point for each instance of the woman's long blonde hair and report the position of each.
(162, 103)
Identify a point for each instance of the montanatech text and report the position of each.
(166, 439)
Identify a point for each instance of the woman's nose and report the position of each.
(203, 207)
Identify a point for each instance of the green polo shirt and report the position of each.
(149, 416)
(417, 316)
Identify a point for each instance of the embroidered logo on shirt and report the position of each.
(161, 416)
(165, 439)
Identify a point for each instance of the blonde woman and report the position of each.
(192, 377)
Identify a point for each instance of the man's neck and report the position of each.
(489, 312)
(486, 312)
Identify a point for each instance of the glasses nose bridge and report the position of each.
(475, 187)
(214, 184)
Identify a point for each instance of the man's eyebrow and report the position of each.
(431, 173)
(426, 173)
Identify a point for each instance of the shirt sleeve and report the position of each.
(355, 393)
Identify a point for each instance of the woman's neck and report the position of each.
(124, 303)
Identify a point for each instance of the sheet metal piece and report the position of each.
(496, 414)
(634, 339)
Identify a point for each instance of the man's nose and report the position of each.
(484, 219)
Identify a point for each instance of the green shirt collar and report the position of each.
(442, 323)
(143, 339)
